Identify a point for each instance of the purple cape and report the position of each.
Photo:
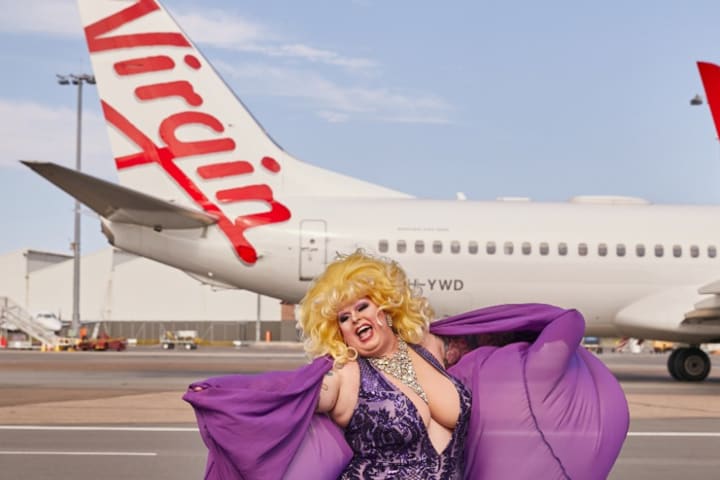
(545, 409)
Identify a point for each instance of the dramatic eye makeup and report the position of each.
(358, 307)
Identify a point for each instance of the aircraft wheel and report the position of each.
(671, 364)
(689, 364)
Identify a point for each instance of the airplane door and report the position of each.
(313, 248)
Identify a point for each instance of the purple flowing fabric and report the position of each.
(264, 426)
(546, 409)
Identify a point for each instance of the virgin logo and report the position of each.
(174, 149)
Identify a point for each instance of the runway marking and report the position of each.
(96, 428)
(674, 434)
(195, 430)
(112, 454)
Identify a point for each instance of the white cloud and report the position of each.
(38, 132)
(337, 103)
(310, 54)
(333, 117)
(211, 27)
(220, 29)
(331, 100)
(52, 17)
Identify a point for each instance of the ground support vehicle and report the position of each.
(186, 339)
(593, 344)
(103, 342)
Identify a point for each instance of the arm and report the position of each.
(550, 355)
(329, 392)
(339, 393)
(558, 332)
(530, 317)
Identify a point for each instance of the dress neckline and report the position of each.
(427, 356)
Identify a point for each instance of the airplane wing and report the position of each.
(680, 314)
(121, 204)
(707, 311)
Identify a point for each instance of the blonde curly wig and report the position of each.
(349, 278)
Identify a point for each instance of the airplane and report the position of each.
(47, 320)
(205, 189)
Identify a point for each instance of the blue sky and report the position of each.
(504, 98)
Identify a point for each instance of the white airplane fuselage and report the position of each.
(456, 270)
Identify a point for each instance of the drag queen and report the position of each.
(501, 392)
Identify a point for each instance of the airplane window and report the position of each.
(620, 249)
(383, 246)
(455, 246)
(401, 246)
(490, 248)
(472, 247)
(544, 248)
(582, 249)
(526, 248)
(640, 250)
(602, 249)
(694, 251)
(562, 248)
(677, 251)
(659, 251)
(419, 246)
(508, 248)
(437, 246)
(712, 252)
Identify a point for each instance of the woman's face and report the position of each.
(363, 326)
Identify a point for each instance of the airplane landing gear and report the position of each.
(689, 364)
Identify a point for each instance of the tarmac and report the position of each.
(87, 392)
(73, 415)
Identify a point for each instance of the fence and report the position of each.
(208, 331)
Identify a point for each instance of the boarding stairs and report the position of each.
(13, 314)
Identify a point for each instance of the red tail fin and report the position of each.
(710, 74)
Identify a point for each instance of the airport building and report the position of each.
(134, 297)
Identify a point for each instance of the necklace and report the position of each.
(400, 366)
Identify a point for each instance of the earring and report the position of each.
(388, 320)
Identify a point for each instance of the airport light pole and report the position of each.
(79, 80)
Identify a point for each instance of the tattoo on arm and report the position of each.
(325, 387)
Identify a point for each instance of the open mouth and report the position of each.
(364, 332)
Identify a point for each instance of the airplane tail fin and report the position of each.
(710, 75)
(177, 131)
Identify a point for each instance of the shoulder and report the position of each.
(435, 345)
(346, 372)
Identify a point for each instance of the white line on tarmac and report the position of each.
(674, 434)
(97, 428)
(194, 429)
(114, 454)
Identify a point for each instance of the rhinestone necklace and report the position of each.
(400, 366)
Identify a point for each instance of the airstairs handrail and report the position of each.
(13, 313)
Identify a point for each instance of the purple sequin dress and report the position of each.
(389, 439)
